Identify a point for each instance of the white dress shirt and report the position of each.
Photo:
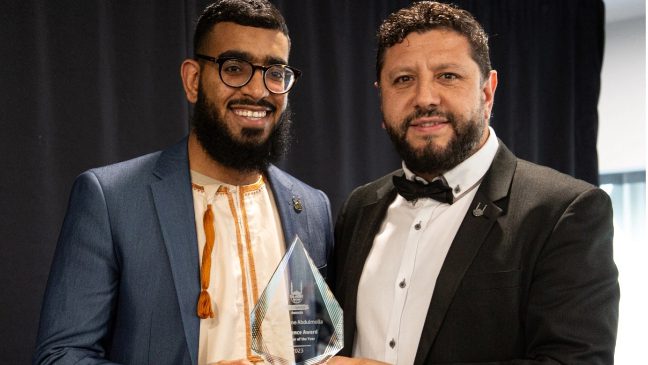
(400, 273)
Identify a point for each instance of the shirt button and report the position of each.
(417, 226)
(392, 343)
(402, 284)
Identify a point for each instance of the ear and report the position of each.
(488, 90)
(190, 72)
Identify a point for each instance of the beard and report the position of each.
(433, 159)
(245, 153)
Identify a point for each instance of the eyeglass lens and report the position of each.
(236, 73)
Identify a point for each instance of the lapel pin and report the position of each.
(297, 204)
(479, 211)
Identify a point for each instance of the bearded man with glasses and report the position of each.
(161, 259)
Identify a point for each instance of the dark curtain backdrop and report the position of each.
(87, 83)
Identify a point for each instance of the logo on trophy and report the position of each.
(297, 320)
(296, 296)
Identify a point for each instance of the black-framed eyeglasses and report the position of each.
(236, 72)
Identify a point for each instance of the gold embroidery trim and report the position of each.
(254, 186)
(248, 243)
(246, 304)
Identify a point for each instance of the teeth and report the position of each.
(428, 124)
(250, 113)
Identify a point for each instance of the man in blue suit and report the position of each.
(161, 258)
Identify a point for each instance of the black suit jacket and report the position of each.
(531, 281)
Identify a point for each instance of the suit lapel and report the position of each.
(486, 207)
(368, 223)
(294, 219)
(174, 205)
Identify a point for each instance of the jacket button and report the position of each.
(392, 343)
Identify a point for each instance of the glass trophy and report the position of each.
(297, 320)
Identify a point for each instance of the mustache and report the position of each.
(429, 112)
(261, 103)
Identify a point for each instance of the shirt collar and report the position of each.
(211, 185)
(465, 176)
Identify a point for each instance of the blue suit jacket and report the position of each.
(124, 281)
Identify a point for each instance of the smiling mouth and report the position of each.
(428, 124)
(251, 109)
(252, 114)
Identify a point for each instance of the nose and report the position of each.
(256, 88)
(427, 94)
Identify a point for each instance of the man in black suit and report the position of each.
(467, 255)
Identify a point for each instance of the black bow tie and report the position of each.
(413, 190)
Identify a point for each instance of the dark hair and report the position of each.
(427, 15)
(253, 13)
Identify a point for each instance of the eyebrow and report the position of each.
(269, 60)
(444, 66)
(436, 68)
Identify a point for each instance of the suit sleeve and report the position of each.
(572, 310)
(79, 301)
